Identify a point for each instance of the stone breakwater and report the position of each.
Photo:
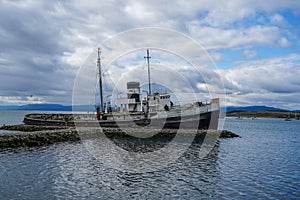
(42, 135)
(37, 138)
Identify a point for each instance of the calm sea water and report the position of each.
(264, 163)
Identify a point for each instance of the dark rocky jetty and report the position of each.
(37, 137)
(29, 135)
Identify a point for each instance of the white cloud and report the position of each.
(140, 12)
(265, 81)
(17, 100)
(284, 42)
(278, 19)
(42, 44)
(248, 53)
(216, 38)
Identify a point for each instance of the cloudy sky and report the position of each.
(255, 46)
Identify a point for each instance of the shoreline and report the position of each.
(263, 114)
(29, 136)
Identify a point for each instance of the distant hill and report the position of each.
(249, 108)
(9, 107)
(49, 107)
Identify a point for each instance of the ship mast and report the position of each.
(100, 80)
(148, 57)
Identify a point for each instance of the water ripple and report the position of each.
(262, 164)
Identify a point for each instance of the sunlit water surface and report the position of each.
(264, 163)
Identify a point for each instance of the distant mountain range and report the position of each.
(253, 109)
(58, 107)
(49, 107)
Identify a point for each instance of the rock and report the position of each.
(228, 134)
(41, 135)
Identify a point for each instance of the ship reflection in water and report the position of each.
(68, 170)
(257, 165)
